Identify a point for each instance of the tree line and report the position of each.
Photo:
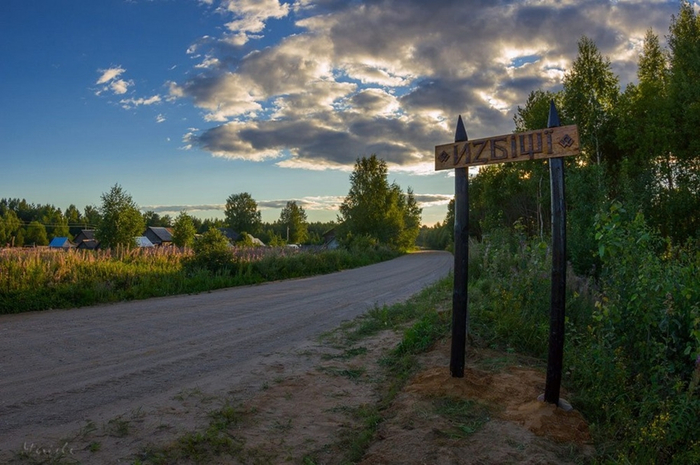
(374, 212)
(23, 223)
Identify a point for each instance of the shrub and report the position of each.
(212, 252)
(637, 370)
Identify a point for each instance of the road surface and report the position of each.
(61, 368)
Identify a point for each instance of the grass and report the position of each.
(40, 279)
(423, 322)
(200, 447)
(465, 416)
(218, 438)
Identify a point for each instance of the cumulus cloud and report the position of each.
(390, 77)
(249, 18)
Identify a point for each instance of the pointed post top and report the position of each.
(461, 132)
(553, 121)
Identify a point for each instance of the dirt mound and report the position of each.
(513, 394)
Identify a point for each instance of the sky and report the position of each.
(186, 102)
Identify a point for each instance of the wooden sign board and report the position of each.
(555, 142)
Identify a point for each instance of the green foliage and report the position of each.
(91, 216)
(591, 91)
(184, 230)
(535, 114)
(39, 279)
(509, 289)
(465, 416)
(378, 210)
(245, 240)
(120, 220)
(637, 366)
(632, 354)
(212, 252)
(293, 220)
(242, 214)
(36, 234)
(10, 227)
(152, 218)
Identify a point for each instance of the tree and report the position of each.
(680, 217)
(152, 218)
(535, 114)
(293, 218)
(59, 225)
(375, 209)
(242, 214)
(10, 228)
(74, 219)
(183, 230)
(36, 234)
(120, 221)
(591, 91)
(411, 219)
(91, 217)
(646, 129)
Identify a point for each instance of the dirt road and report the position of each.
(60, 369)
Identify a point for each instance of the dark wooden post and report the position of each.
(461, 252)
(558, 298)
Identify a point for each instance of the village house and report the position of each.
(159, 236)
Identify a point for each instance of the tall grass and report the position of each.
(40, 279)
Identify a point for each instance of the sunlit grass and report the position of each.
(41, 278)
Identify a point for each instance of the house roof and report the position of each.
(88, 244)
(143, 241)
(86, 234)
(163, 234)
(60, 242)
(230, 234)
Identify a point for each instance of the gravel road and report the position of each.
(61, 368)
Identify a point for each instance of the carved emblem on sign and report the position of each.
(566, 141)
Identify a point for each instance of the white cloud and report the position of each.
(250, 17)
(137, 102)
(110, 81)
(109, 74)
(391, 77)
(312, 203)
(432, 200)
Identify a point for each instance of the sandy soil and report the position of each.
(303, 407)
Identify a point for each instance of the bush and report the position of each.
(632, 356)
(212, 252)
(637, 370)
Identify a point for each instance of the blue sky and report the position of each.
(185, 102)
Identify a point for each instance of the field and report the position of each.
(40, 278)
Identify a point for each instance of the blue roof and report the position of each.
(60, 242)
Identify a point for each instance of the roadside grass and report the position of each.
(41, 279)
(200, 447)
(464, 416)
(427, 309)
(423, 319)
